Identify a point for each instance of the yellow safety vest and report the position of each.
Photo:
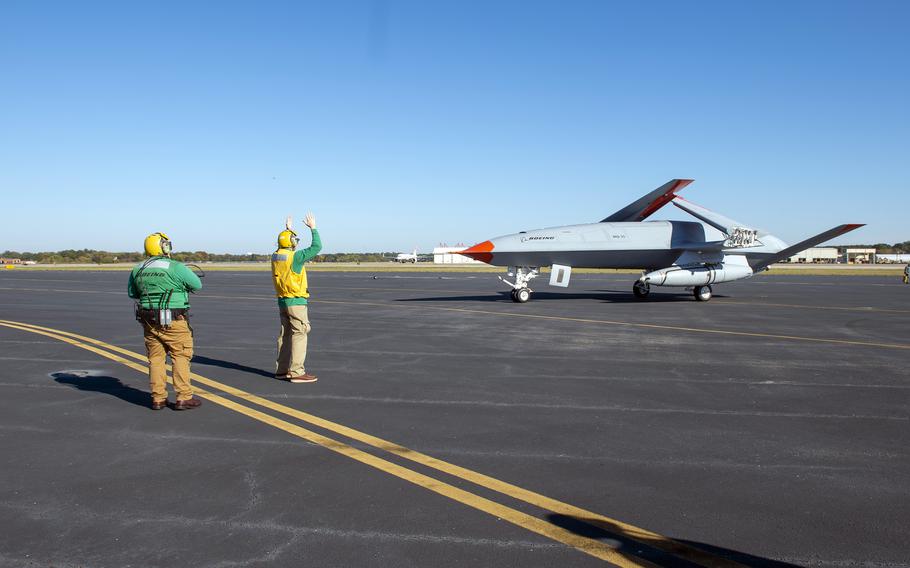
(288, 284)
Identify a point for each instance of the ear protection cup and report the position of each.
(165, 245)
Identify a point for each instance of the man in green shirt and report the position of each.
(161, 287)
(290, 281)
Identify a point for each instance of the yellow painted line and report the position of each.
(715, 301)
(635, 324)
(587, 545)
(859, 309)
(598, 322)
(633, 532)
(61, 290)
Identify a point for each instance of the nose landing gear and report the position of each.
(521, 295)
(523, 274)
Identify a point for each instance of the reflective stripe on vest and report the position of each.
(288, 284)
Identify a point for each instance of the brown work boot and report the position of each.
(304, 378)
(188, 404)
(159, 404)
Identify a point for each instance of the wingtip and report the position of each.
(667, 197)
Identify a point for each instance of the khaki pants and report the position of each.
(906, 279)
(295, 325)
(175, 340)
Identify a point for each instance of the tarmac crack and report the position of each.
(344, 534)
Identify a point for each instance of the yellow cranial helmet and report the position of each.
(157, 244)
(287, 239)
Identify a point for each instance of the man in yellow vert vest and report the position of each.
(289, 278)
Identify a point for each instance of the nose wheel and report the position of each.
(523, 274)
(521, 295)
(703, 293)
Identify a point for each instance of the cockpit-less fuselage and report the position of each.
(672, 253)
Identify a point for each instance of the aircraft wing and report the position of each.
(644, 207)
(808, 243)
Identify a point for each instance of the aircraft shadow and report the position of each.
(607, 296)
(107, 385)
(231, 365)
(642, 548)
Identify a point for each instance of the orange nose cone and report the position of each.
(481, 251)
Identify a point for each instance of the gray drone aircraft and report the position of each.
(672, 253)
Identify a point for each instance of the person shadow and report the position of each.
(104, 384)
(653, 548)
(202, 360)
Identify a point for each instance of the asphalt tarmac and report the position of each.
(767, 427)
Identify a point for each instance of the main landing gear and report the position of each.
(703, 293)
(641, 289)
(521, 293)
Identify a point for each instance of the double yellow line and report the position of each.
(587, 545)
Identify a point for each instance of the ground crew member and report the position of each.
(289, 278)
(907, 274)
(161, 287)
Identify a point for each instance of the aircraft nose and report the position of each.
(481, 251)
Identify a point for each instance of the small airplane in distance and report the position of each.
(407, 256)
(672, 253)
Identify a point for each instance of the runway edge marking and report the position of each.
(632, 532)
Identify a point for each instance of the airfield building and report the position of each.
(449, 255)
(860, 256)
(816, 255)
(900, 258)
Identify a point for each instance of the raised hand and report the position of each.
(310, 220)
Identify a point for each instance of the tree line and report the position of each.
(89, 256)
(882, 248)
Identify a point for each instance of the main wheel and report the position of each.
(521, 295)
(641, 290)
(703, 293)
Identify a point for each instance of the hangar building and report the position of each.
(816, 255)
(449, 255)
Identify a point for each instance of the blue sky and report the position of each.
(409, 123)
